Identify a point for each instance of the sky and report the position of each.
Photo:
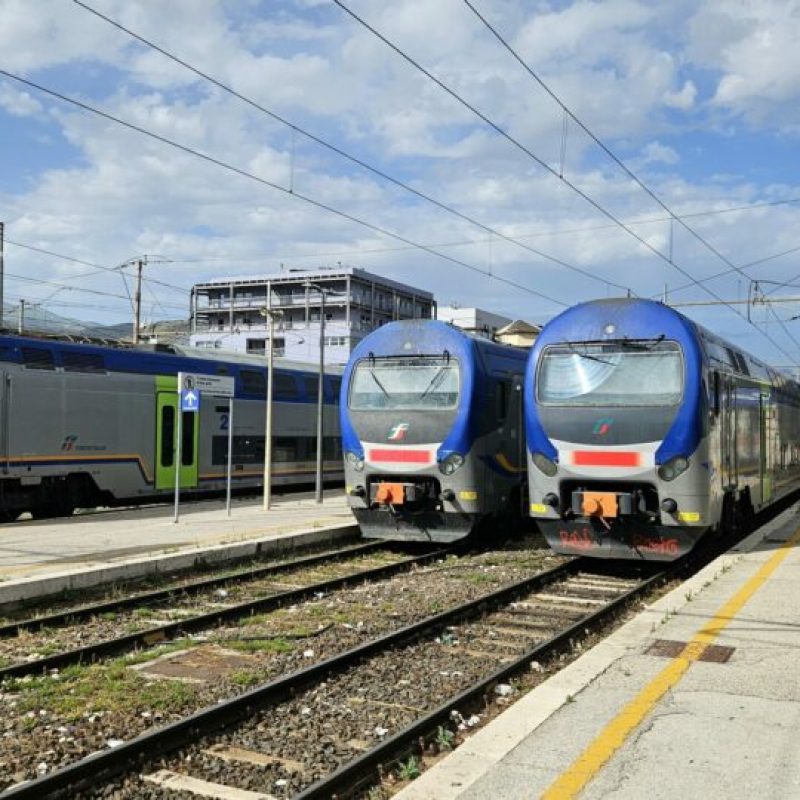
(678, 160)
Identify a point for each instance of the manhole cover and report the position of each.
(669, 648)
(200, 664)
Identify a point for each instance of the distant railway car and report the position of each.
(645, 431)
(431, 422)
(82, 425)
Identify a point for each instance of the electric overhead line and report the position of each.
(624, 167)
(544, 165)
(291, 193)
(349, 156)
(100, 268)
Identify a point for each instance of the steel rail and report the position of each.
(102, 766)
(78, 613)
(367, 767)
(162, 633)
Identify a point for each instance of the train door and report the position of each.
(728, 433)
(766, 439)
(5, 416)
(166, 444)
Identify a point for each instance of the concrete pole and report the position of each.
(268, 426)
(137, 302)
(21, 318)
(320, 393)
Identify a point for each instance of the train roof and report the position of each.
(598, 320)
(145, 359)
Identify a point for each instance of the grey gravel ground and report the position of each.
(53, 720)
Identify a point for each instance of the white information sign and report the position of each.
(216, 385)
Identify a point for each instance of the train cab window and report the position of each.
(167, 436)
(38, 358)
(82, 362)
(187, 434)
(254, 382)
(418, 383)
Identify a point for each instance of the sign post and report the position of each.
(190, 387)
(188, 402)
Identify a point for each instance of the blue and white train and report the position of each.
(84, 425)
(645, 431)
(431, 421)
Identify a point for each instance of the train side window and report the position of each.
(167, 436)
(187, 434)
(285, 387)
(254, 382)
(82, 362)
(501, 399)
(336, 385)
(311, 386)
(6, 353)
(38, 358)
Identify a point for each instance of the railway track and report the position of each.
(325, 729)
(270, 596)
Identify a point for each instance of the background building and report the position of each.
(226, 312)
(473, 320)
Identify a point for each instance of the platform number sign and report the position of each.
(190, 395)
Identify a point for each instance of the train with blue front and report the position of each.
(645, 431)
(432, 431)
(83, 425)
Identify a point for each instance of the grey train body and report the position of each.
(73, 435)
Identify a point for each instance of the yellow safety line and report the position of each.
(589, 763)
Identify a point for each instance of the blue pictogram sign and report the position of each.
(190, 400)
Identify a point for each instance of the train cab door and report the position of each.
(728, 433)
(5, 417)
(167, 445)
(766, 441)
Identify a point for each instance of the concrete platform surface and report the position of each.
(117, 543)
(625, 724)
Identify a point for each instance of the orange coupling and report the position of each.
(600, 504)
(390, 494)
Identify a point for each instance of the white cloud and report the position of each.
(18, 103)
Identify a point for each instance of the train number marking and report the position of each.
(224, 421)
(652, 545)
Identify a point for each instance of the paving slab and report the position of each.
(723, 729)
(42, 557)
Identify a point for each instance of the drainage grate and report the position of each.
(669, 648)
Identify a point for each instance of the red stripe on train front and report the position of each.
(606, 458)
(400, 456)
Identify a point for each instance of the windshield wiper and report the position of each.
(649, 345)
(380, 385)
(435, 381)
(572, 349)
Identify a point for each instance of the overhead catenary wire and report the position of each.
(295, 128)
(263, 181)
(544, 165)
(620, 163)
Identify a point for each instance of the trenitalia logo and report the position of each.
(398, 432)
(602, 426)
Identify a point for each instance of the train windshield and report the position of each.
(413, 383)
(625, 373)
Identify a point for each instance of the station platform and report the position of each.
(697, 696)
(43, 557)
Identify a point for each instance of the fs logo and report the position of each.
(68, 443)
(602, 426)
(398, 432)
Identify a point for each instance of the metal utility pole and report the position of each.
(2, 272)
(320, 393)
(21, 318)
(137, 302)
(270, 314)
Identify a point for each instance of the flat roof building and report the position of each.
(226, 312)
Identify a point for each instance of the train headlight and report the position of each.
(448, 465)
(674, 467)
(545, 464)
(355, 461)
